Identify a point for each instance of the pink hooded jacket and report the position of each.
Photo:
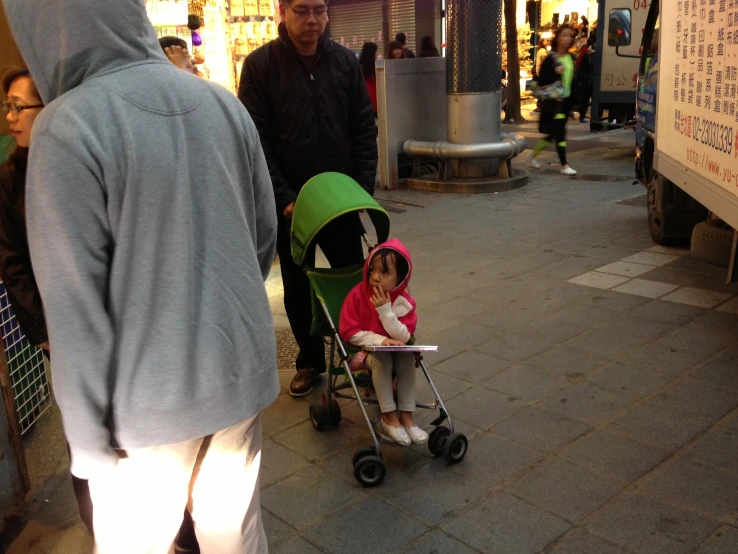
(359, 315)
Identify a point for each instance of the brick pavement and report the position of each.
(600, 421)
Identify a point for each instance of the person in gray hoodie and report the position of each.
(152, 227)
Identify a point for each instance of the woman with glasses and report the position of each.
(21, 109)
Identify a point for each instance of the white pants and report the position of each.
(381, 365)
(138, 504)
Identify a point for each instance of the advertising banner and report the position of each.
(698, 77)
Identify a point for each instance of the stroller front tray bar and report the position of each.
(407, 348)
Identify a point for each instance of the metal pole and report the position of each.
(473, 79)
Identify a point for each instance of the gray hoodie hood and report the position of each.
(66, 42)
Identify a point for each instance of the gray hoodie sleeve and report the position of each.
(265, 241)
(71, 249)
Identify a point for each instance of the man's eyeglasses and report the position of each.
(304, 13)
(16, 109)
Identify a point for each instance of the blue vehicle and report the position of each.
(672, 213)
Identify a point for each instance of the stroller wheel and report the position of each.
(363, 452)
(437, 440)
(370, 471)
(319, 417)
(456, 447)
(334, 412)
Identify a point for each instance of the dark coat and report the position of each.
(310, 119)
(585, 71)
(15, 257)
(550, 108)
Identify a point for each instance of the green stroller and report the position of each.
(322, 199)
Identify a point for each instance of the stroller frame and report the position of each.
(324, 198)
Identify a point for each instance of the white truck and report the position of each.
(687, 130)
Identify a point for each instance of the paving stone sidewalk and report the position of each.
(600, 421)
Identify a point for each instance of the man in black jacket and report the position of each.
(307, 97)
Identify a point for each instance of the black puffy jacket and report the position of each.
(310, 119)
(15, 258)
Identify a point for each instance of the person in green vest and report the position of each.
(558, 66)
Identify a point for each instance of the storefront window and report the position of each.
(231, 29)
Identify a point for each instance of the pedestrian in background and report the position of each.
(558, 66)
(150, 243)
(402, 39)
(585, 77)
(428, 48)
(395, 51)
(177, 52)
(541, 53)
(23, 106)
(503, 96)
(308, 98)
(368, 60)
(584, 26)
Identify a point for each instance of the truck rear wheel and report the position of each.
(672, 213)
(712, 242)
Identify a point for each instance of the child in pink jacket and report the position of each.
(380, 312)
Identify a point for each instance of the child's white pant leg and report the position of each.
(404, 364)
(380, 364)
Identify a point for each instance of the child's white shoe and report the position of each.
(568, 171)
(398, 435)
(532, 161)
(417, 435)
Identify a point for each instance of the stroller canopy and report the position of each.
(326, 197)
